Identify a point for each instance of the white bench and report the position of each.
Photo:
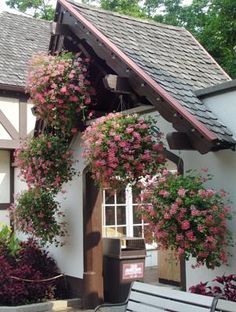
(148, 298)
(225, 306)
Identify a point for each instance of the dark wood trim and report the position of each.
(23, 119)
(93, 253)
(12, 177)
(179, 141)
(8, 126)
(4, 206)
(117, 84)
(12, 88)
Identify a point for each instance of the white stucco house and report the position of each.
(20, 38)
(156, 68)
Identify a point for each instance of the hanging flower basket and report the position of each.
(187, 217)
(37, 213)
(45, 162)
(60, 89)
(121, 149)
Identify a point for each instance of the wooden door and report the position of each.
(169, 267)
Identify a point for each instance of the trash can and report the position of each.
(123, 262)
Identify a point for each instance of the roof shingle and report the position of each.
(170, 55)
(20, 38)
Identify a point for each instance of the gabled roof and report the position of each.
(170, 55)
(20, 38)
(167, 58)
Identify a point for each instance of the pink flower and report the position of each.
(185, 225)
(63, 90)
(182, 192)
(164, 193)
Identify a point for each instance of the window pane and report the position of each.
(120, 197)
(110, 215)
(121, 231)
(109, 198)
(121, 214)
(136, 217)
(110, 232)
(137, 231)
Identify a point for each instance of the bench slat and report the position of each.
(226, 306)
(173, 294)
(158, 302)
(139, 307)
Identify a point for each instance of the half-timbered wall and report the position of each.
(16, 121)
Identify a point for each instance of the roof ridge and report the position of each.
(24, 16)
(131, 18)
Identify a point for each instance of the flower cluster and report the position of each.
(45, 162)
(60, 89)
(222, 286)
(188, 217)
(121, 149)
(37, 213)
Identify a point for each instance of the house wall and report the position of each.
(222, 165)
(224, 107)
(70, 257)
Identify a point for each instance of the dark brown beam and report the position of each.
(179, 141)
(60, 29)
(117, 84)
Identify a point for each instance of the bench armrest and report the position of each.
(112, 307)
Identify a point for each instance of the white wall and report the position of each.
(4, 177)
(70, 257)
(224, 107)
(222, 165)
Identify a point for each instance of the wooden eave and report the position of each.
(198, 136)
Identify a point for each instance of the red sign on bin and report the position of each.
(132, 270)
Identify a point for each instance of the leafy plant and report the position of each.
(21, 275)
(9, 240)
(60, 89)
(222, 286)
(122, 149)
(45, 162)
(37, 213)
(187, 217)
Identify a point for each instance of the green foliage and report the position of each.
(39, 8)
(129, 7)
(38, 213)
(9, 240)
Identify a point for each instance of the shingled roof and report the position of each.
(169, 55)
(20, 38)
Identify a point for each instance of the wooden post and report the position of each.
(93, 255)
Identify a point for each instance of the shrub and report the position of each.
(31, 263)
(222, 286)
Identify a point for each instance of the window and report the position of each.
(120, 214)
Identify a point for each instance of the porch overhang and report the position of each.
(72, 25)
